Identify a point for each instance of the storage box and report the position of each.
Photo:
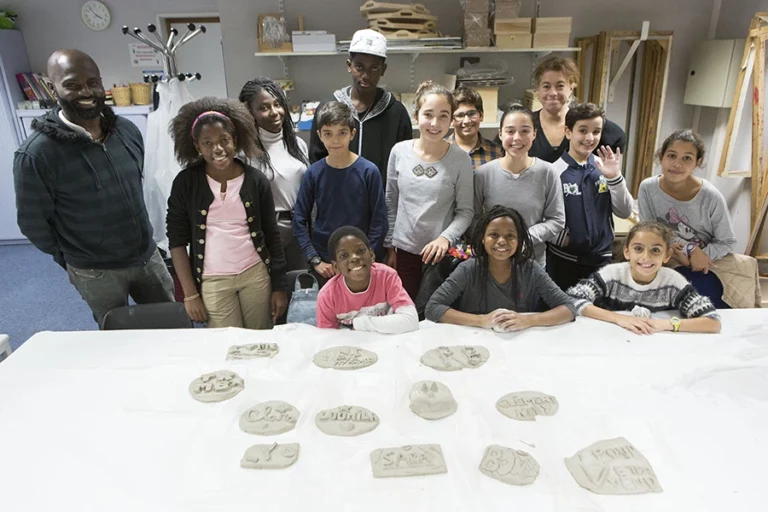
(512, 25)
(552, 32)
(475, 20)
(314, 41)
(477, 37)
(531, 100)
(272, 34)
(490, 96)
(513, 41)
(477, 6)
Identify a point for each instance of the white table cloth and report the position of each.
(103, 421)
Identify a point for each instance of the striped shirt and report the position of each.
(613, 288)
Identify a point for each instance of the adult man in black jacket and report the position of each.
(78, 181)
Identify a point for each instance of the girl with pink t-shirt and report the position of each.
(222, 210)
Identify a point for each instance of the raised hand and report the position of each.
(609, 163)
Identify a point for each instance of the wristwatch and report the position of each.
(315, 261)
(675, 321)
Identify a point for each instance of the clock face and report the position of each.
(96, 15)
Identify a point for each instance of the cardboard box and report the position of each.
(477, 37)
(552, 25)
(475, 20)
(553, 40)
(478, 6)
(316, 41)
(552, 32)
(269, 21)
(514, 41)
(512, 25)
(490, 96)
(507, 8)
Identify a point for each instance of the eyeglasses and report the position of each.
(472, 114)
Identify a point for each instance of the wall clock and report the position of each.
(96, 15)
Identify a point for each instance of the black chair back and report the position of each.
(162, 315)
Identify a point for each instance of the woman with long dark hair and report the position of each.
(284, 156)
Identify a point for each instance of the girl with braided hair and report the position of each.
(284, 156)
(222, 209)
(502, 281)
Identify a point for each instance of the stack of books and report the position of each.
(37, 87)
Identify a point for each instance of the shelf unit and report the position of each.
(415, 52)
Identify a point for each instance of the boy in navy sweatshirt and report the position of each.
(593, 190)
(346, 189)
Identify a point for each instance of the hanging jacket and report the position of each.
(385, 124)
(81, 201)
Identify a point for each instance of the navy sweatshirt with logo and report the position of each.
(590, 202)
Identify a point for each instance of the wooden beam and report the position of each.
(737, 105)
(758, 112)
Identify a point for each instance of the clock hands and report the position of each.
(94, 13)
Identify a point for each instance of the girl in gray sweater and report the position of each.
(502, 281)
(693, 209)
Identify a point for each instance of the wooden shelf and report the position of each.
(395, 51)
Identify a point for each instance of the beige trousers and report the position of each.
(242, 300)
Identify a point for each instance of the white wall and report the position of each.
(49, 25)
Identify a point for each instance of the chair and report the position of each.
(162, 315)
(5, 347)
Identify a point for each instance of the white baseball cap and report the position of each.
(370, 42)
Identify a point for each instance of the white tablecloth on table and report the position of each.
(103, 421)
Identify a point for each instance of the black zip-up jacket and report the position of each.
(386, 123)
(81, 201)
(188, 205)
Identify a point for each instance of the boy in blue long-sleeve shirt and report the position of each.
(346, 189)
(593, 190)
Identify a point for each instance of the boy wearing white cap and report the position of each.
(381, 121)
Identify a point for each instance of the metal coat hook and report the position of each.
(168, 49)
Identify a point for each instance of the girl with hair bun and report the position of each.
(429, 190)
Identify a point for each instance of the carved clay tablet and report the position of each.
(270, 456)
(432, 400)
(526, 405)
(510, 466)
(347, 420)
(253, 351)
(269, 418)
(455, 358)
(415, 460)
(216, 386)
(613, 466)
(345, 358)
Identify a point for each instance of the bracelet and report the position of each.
(191, 297)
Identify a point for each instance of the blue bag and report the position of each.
(303, 306)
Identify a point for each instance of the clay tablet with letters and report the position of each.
(510, 466)
(347, 420)
(455, 358)
(345, 358)
(270, 456)
(613, 466)
(269, 418)
(253, 351)
(526, 405)
(414, 460)
(216, 386)
(432, 400)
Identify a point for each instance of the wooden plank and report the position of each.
(738, 101)
(758, 112)
(600, 72)
(403, 14)
(373, 7)
(581, 59)
(753, 244)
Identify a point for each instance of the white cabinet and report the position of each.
(136, 114)
(713, 73)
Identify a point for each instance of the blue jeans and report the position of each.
(105, 290)
(707, 285)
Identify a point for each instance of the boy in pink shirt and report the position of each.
(363, 295)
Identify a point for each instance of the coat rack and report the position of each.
(168, 49)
